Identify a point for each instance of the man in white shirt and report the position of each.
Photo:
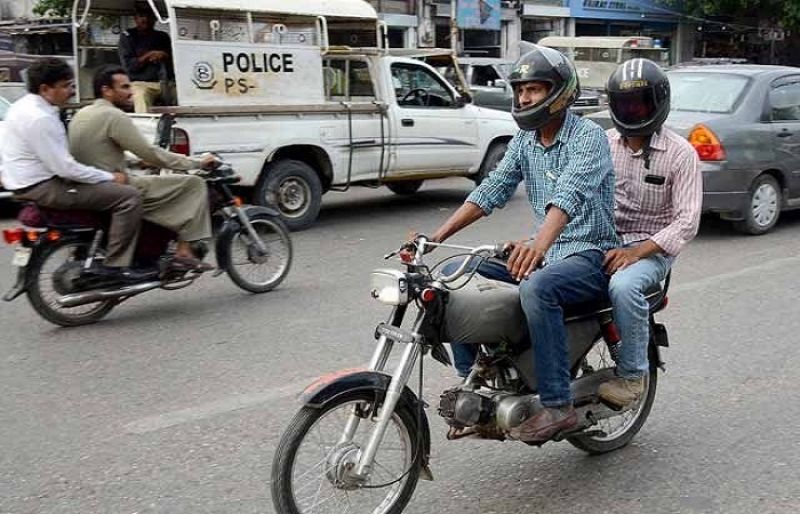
(38, 167)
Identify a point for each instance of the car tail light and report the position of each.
(180, 142)
(13, 235)
(706, 143)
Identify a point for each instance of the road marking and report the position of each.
(208, 410)
(234, 403)
(722, 277)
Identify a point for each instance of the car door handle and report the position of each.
(407, 122)
(784, 134)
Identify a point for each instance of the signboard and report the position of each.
(243, 74)
(478, 14)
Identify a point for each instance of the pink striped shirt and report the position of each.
(662, 203)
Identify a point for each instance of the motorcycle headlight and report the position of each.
(390, 286)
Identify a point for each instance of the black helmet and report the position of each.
(638, 94)
(550, 66)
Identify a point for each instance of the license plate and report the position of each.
(21, 256)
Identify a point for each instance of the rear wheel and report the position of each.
(50, 276)
(764, 207)
(405, 188)
(493, 158)
(615, 432)
(294, 188)
(312, 467)
(251, 268)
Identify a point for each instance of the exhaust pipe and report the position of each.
(77, 299)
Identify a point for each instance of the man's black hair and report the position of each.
(104, 76)
(48, 71)
(143, 9)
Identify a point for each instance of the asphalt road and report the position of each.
(175, 402)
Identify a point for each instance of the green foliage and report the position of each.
(59, 8)
(785, 12)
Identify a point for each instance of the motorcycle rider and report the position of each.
(39, 168)
(659, 195)
(99, 135)
(565, 163)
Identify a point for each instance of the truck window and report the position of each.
(347, 79)
(416, 86)
(484, 75)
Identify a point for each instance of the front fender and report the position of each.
(329, 387)
(232, 225)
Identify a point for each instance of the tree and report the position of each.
(785, 12)
(58, 8)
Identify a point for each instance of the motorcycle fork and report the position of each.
(241, 215)
(400, 377)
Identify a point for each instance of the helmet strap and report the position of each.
(646, 151)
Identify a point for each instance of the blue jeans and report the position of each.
(632, 312)
(578, 278)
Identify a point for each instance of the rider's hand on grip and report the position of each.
(524, 258)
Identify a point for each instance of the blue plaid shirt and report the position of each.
(575, 174)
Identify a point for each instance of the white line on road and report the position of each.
(233, 403)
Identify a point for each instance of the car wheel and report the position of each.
(490, 162)
(763, 208)
(294, 188)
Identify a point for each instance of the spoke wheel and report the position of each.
(616, 431)
(251, 268)
(49, 278)
(313, 468)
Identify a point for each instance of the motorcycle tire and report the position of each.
(599, 444)
(300, 429)
(279, 251)
(37, 288)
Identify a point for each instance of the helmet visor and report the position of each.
(634, 107)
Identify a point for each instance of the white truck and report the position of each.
(303, 98)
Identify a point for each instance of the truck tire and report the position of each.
(294, 189)
(490, 162)
(405, 188)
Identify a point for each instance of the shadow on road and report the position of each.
(712, 227)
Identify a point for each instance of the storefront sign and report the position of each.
(478, 14)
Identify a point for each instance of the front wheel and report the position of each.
(615, 432)
(50, 276)
(312, 471)
(252, 268)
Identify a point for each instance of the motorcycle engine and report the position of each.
(464, 408)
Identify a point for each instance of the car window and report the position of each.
(347, 79)
(484, 75)
(706, 92)
(416, 86)
(785, 102)
(4, 105)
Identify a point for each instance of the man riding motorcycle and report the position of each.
(565, 163)
(99, 135)
(38, 167)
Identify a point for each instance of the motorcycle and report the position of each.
(361, 441)
(54, 248)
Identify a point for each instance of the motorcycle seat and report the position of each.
(32, 215)
(655, 297)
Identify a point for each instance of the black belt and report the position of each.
(25, 189)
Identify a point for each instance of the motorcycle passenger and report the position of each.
(99, 135)
(659, 196)
(38, 166)
(565, 163)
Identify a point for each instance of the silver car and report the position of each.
(744, 122)
(4, 105)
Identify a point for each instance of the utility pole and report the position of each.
(453, 27)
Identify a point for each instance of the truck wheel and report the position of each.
(292, 187)
(405, 188)
(490, 162)
(763, 209)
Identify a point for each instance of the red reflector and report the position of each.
(13, 235)
(665, 303)
(428, 295)
(406, 257)
(611, 333)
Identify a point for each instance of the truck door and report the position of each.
(433, 134)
